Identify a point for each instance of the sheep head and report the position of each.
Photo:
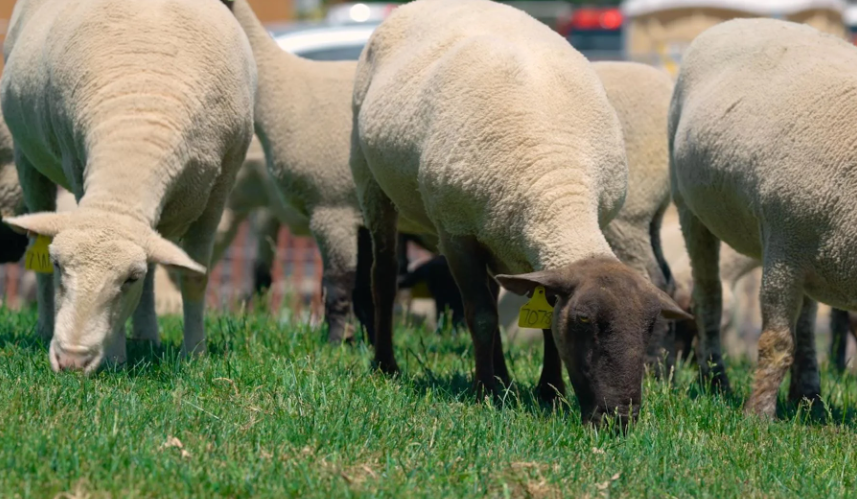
(100, 261)
(603, 317)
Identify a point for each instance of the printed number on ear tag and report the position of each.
(37, 258)
(537, 312)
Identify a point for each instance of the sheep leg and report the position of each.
(145, 320)
(335, 231)
(839, 325)
(805, 382)
(704, 251)
(227, 229)
(361, 297)
(269, 229)
(781, 302)
(661, 275)
(198, 243)
(40, 194)
(551, 385)
(500, 369)
(381, 220)
(470, 270)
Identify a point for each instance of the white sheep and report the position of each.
(149, 118)
(761, 160)
(303, 120)
(477, 124)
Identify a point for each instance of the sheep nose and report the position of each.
(68, 361)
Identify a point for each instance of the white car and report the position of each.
(324, 42)
(359, 12)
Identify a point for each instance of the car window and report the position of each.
(344, 53)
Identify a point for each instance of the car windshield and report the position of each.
(343, 53)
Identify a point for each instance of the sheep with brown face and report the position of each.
(477, 124)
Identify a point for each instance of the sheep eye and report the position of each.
(582, 318)
(131, 280)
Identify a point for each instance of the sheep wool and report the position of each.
(761, 159)
(485, 157)
(143, 109)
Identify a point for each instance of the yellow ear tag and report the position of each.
(37, 258)
(536, 313)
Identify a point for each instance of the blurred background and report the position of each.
(655, 32)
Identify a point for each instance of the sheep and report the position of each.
(303, 120)
(480, 126)
(758, 165)
(150, 116)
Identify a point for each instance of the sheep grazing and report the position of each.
(303, 120)
(479, 125)
(151, 115)
(758, 164)
(641, 94)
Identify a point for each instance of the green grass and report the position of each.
(275, 412)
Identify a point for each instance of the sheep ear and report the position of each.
(555, 283)
(46, 223)
(159, 250)
(669, 308)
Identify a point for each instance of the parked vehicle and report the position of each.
(597, 32)
(323, 41)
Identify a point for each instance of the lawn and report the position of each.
(275, 412)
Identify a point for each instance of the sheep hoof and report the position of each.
(483, 390)
(386, 366)
(718, 382)
(549, 394)
(343, 333)
(765, 407)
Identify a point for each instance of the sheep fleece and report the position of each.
(95, 79)
(477, 121)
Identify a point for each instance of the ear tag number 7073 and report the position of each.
(536, 313)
